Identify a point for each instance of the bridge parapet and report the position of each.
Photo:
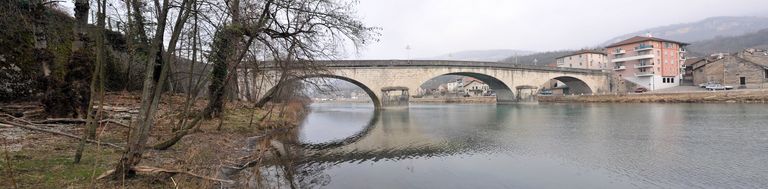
(441, 63)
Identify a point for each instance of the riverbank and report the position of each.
(33, 159)
(738, 96)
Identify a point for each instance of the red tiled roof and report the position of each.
(638, 39)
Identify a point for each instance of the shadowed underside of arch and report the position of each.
(575, 85)
(374, 98)
(503, 92)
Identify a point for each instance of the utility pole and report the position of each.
(408, 52)
(516, 58)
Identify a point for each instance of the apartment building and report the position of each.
(647, 62)
(585, 59)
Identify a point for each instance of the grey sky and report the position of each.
(435, 27)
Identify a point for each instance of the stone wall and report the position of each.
(729, 71)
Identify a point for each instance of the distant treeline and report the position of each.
(542, 58)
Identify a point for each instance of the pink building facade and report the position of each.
(647, 62)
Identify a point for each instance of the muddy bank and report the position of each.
(462, 100)
(753, 96)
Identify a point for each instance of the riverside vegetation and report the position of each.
(143, 93)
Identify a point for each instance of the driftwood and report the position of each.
(61, 121)
(106, 121)
(34, 128)
(148, 169)
(53, 122)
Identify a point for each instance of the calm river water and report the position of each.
(536, 146)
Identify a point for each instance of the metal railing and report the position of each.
(643, 47)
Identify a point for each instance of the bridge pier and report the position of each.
(394, 97)
(526, 94)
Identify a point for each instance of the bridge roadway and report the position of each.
(390, 82)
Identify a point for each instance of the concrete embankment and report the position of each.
(467, 100)
(751, 96)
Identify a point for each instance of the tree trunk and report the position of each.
(152, 90)
(81, 22)
(98, 74)
(223, 47)
(44, 56)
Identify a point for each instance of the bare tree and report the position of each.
(291, 32)
(97, 81)
(154, 79)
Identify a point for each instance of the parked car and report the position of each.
(641, 90)
(704, 85)
(545, 92)
(714, 87)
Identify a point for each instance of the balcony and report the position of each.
(644, 74)
(638, 57)
(622, 51)
(617, 68)
(643, 47)
(643, 65)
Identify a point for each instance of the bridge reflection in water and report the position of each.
(384, 135)
(519, 146)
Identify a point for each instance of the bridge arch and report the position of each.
(503, 92)
(574, 85)
(374, 97)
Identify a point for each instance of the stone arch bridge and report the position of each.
(389, 82)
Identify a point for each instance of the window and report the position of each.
(766, 73)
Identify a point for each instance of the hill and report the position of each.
(730, 44)
(703, 30)
(543, 58)
(481, 55)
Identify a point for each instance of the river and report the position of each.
(535, 146)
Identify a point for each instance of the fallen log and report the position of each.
(155, 170)
(52, 122)
(61, 121)
(61, 133)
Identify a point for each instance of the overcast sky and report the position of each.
(435, 27)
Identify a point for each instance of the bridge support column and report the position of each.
(526, 94)
(394, 97)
